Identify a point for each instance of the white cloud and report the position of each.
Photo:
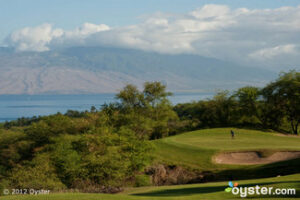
(211, 11)
(269, 53)
(42, 37)
(241, 35)
(34, 39)
(282, 56)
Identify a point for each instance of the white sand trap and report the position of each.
(252, 157)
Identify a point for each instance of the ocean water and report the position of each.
(16, 106)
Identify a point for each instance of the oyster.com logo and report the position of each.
(258, 190)
(231, 185)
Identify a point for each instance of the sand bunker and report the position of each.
(252, 157)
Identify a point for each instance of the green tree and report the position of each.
(109, 158)
(284, 96)
(155, 93)
(224, 106)
(130, 97)
(66, 159)
(148, 113)
(248, 105)
(216, 112)
(247, 97)
(159, 108)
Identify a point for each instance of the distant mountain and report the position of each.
(105, 70)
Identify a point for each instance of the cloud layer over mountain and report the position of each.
(261, 36)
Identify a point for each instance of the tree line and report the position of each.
(275, 106)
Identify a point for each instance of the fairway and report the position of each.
(193, 191)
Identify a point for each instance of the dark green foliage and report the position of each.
(217, 112)
(26, 121)
(21, 122)
(14, 147)
(283, 95)
(75, 113)
(271, 107)
(247, 98)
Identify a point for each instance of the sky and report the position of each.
(68, 14)
(246, 31)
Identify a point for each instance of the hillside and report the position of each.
(80, 70)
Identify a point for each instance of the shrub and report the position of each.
(142, 180)
(37, 174)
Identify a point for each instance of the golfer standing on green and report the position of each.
(232, 134)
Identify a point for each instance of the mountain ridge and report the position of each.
(84, 70)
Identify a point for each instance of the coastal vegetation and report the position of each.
(130, 141)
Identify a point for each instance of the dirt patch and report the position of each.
(253, 157)
(175, 175)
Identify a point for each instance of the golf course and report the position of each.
(197, 151)
(150, 100)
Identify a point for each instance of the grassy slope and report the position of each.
(191, 192)
(196, 149)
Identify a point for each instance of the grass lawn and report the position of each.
(195, 149)
(212, 191)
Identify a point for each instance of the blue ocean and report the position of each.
(16, 106)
